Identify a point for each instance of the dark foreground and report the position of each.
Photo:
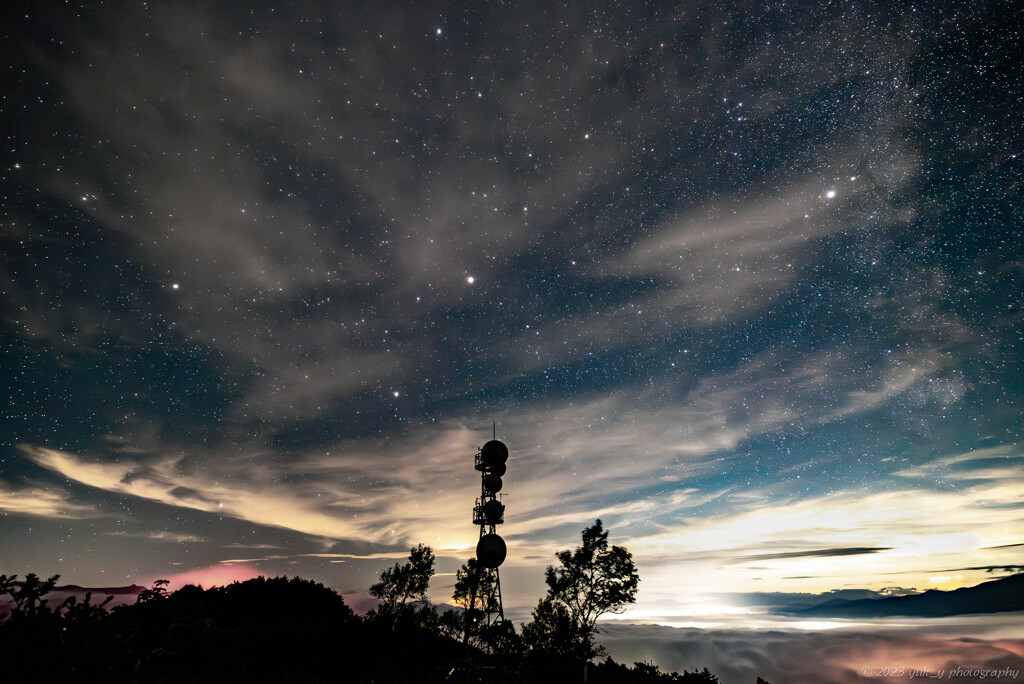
(267, 630)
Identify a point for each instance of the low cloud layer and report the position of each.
(843, 656)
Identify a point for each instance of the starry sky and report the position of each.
(744, 282)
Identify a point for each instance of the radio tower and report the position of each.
(488, 513)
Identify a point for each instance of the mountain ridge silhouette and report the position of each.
(995, 596)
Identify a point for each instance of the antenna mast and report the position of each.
(488, 513)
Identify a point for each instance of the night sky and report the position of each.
(745, 283)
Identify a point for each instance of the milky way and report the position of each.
(745, 284)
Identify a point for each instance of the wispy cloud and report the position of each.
(50, 502)
(995, 464)
(731, 331)
(818, 553)
(160, 536)
(161, 482)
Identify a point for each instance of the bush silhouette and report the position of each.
(295, 630)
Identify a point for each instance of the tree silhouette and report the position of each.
(500, 638)
(28, 595)
(403, 583)
(554, 633)
(289, 630)
(158, 592)
(592, 580)
(476, 591)
(84, 611)
(611, 672)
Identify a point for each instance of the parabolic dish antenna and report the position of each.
(493, 453)
(493, 510)
(490, 551)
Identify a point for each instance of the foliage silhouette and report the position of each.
(158, 592)
(403, 583)
(261, 630)
(296, 630)
(611, 672)
(500, 638)
(553, 634)
(27, 596)
(476, 592)
(592, 580)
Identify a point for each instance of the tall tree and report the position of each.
(593, 580)
(406, 582)
(476, 591)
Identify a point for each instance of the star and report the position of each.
(672, 302)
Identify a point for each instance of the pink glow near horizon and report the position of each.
(213, 576)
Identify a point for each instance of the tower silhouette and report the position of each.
(488, 513)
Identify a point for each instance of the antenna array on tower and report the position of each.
(490, 512)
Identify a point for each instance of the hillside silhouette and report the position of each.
(296, 630)
(266, 630)
(997, 596)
